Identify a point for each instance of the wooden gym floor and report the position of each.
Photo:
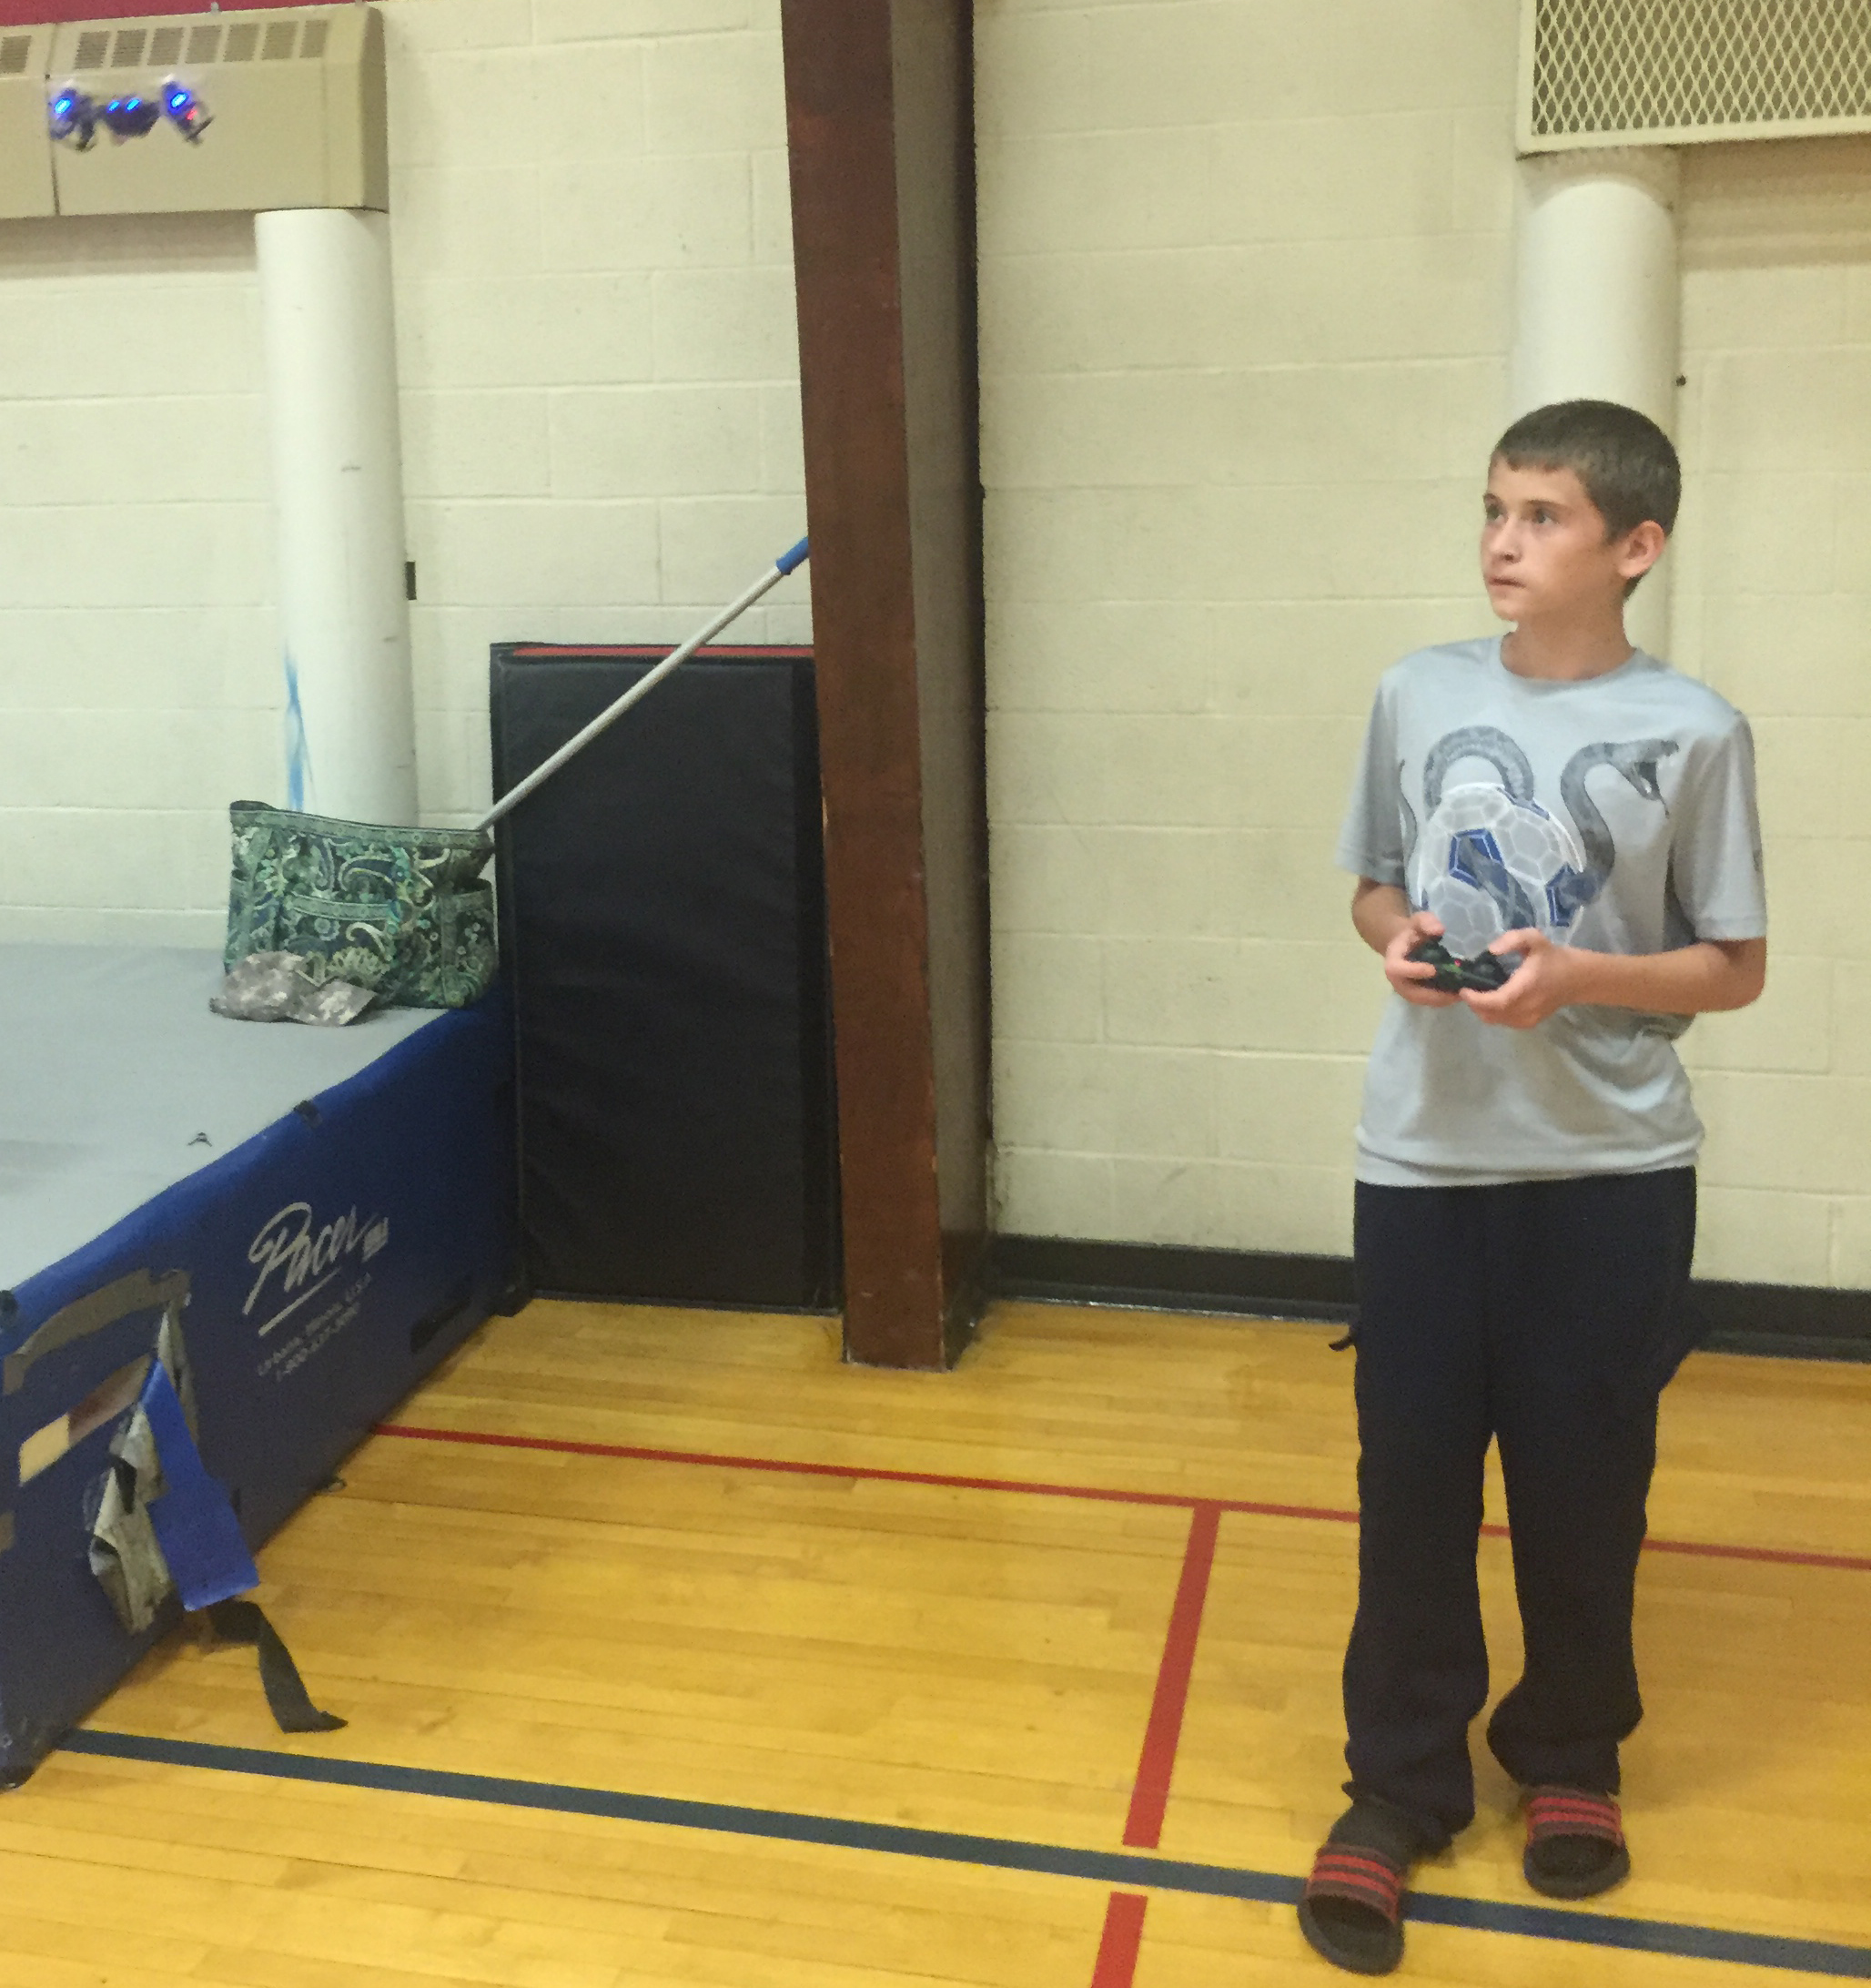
(675, 1652)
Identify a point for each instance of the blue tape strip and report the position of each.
(195, 1525)
(1109, 1868)
(790, 562)
(298, 750)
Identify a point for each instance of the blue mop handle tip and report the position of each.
(791, 562)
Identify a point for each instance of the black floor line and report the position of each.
(1101, 1867)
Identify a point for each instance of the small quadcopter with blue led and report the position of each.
(76, 117)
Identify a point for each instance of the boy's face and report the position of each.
(1546, 554)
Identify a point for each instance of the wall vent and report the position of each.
(1683, 72)
(295, 99)
(26, 151)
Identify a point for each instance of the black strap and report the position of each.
(293, 1711)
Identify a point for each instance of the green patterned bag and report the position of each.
(401, 911)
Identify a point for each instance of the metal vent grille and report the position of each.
(14, 52)
(1675, 72)
(138, 47)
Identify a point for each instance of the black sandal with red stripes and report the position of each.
(1575, 1843)
(1351, 1911)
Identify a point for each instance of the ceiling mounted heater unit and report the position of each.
(1687, 72)
(25, 159)
(287, 102)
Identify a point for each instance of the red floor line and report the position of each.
(1150, 1794)
(1713, 1550)
(1184, 1500)
(1708, 1550)
(1176, 1500)
(1122, 1941)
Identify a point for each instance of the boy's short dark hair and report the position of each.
(1627, 465)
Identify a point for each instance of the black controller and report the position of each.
(1481, 975)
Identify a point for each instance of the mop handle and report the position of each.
(788, 562)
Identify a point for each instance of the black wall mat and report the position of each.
(664, 934)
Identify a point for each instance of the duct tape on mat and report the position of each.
(196, 1545)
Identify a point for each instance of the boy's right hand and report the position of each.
(1409, 976)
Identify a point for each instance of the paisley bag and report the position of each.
(401, 911)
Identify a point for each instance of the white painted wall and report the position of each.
(1246, 272)
(137, 678)
(601, 435)
(1774, 606)
(1246, 280)
(1245, 276)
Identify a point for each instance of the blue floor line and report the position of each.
(994, 1852)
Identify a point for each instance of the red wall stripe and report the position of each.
(572, 652)
(37, 13)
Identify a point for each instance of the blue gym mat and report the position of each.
(299, 1222)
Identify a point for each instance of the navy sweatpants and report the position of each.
(1547, 1316)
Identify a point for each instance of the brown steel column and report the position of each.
(881, 126)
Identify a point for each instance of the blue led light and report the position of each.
(73, 116)
(130, 117)
(185, 110)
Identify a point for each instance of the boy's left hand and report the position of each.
(1538, 987)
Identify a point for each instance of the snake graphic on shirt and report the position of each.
(1488, 859)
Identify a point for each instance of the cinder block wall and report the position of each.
(136, 655)
(1246, 279)
(596, 342)
(1773, 605)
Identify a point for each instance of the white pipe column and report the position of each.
(337, 486)
(1598, 302)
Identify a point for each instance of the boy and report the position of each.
(1526, 1185)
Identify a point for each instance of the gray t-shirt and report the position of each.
(1616, 814)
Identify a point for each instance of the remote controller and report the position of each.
(1481, 975)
